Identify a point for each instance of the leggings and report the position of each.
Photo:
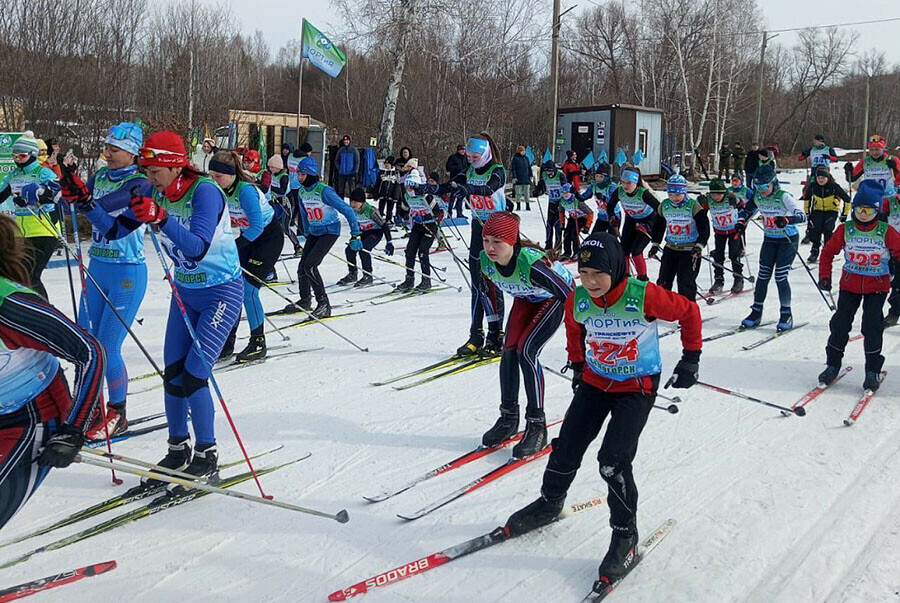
(41, 250)
(421, 236)
(477, 303)
(735, 249)
(20, 475)
(258, 258)
(386, 208)
(682, 265)
(315, 250)
(589, 408)
(572, 240)
(369, 240)
(212, 311)
(554, 226)
(635, 237)
(125, 286)
(529, 326)
(775, 255)
(872, 327)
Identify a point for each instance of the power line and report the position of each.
(827, 26)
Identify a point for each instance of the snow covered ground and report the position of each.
(768, 508)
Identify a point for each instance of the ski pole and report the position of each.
(671, 409)
(309, 314)
(750, 278)
(799, 411)
(340, 516)
(363, 270)
(138, 462)
(62, 224)
(111, 305)
(196, 343)
(388, 260)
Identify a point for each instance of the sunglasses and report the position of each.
(148, 153)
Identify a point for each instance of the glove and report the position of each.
(687, 370)
(843, 217)
(62, 448)
(780, 221)
(32, 192)
(654, 251)
(825, 283)
(585, 229)
(75, 191)
(577, 375)
(739, 229)
(454, 184)
(642, 228)
(355, 243)
(147, 210)
(20, 201)
(697, 251)
(389, 248)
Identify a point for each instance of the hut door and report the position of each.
(582, 138)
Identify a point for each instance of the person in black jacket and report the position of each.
(520, 170)
(822, 198)
(751, 163)
(457, 164)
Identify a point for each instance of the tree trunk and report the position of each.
(386, 129)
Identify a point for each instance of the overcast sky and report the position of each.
(280, 19)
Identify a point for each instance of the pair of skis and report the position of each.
(56, 580)
(858, 408)
(759, 342)
(451, 366)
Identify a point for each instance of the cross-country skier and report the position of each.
(577, 217)
(320, 210)
(41, 424)
(539, 289)
(640, 205)
(118, 265)
(601, 189)
(685, 224)
(191, 212)
(780, 213)
(879, 165)
(819, 155)
(421, 208)
(373, 226)
(259, 241)
(822, 199)
(724, 207)
(551, 182)
(483, 184)
(613, 346)
(868, 243)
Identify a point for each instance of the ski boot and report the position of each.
(813, 256)
(228, 347)
(493, 344)
(365, 281)
(471, 347)
(406, 285)
(785, 320)
(754, 318)
(891, 320)
(177, 459)
(716, 288)
(349, 279)
(872, 381)
(505, 427)
(323, 309)
(620, 558)
(298, 306)
(204, 465)
(256, 349)
(830, 373)
(738, 286)
(425, 285)
(535, 437)
(115, 423)
(538, 513)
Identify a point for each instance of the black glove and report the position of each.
(577, 374)
(780, 221)
(389, 248)
(62, 448)
(825, 283)
(843, 217)
(739, 229)
(697, 251)
(20, 201)
(654, 251)
(687, 370)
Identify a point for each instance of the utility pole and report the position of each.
(191, 74)
(866, 118)
(759, 89)
(554, 74)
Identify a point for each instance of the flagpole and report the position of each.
(300, 83)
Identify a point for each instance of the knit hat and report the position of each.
(819, 137)
(26, 143)
(275, 163)
(602, 251)
(252, 156)
(308, 166)
(358, 194)
(877, 141)
(306, 148)
(737, 176)
(869, 194)
(823, 170)
(603, 168)
(163, 149)
(764, 175)
(503, 225)
(717, 185)
(126, 136)
(434, 176)
(566, 188)
(548, 166)
(42, 147)
(677, 185)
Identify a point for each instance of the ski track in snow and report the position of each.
(770, 509)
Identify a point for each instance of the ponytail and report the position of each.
(13, 261)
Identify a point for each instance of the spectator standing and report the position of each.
(347, 161)
(572, 171)
(520, 171)
(751, 163)
(724, 161)
(457, 164)
(738, 154)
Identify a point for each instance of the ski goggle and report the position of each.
(877, 141)
(477, 146)
(148, 153)
(629, 176)
(120, 132)
(21, 156)
(865, 211)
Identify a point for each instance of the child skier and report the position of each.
(822, 199)
(724, 207)
(781, 213)
(423, 229)
(539, 289)
(577, 217)
(613, 347)
(601, 190)
(551, 182)
(372, 226)
(639, 205)
(868, 243)
(685, 223)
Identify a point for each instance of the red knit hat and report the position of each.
(503, 225)
(876, 141)
(163, 149)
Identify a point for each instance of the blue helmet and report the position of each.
(127, 136)
(308, 166)
(677, 185)
(765, 175)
